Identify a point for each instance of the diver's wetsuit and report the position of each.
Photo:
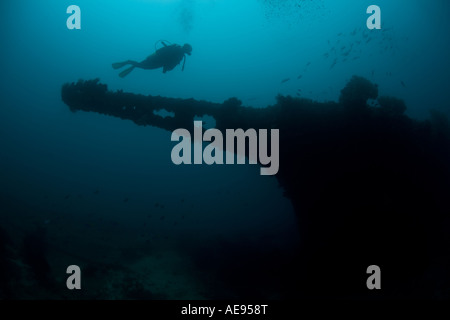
(168, 57)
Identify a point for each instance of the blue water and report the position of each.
(101, 186)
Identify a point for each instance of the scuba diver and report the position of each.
(167, 57)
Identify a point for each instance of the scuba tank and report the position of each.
(161, 42)
(166, 43)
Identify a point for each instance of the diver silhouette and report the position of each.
(167, 57)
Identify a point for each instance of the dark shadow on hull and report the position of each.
(369, 184)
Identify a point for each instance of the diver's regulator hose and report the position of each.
(161, 41)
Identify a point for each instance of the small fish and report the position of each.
(308, 63)
(285, 80)
(125, 200)
(67, 196)
(299, 77)
(403, 84)
(97, 191)
(299, 90)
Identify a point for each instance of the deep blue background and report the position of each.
(101, 186)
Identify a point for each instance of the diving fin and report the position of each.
(118, 65)
(126, 72)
